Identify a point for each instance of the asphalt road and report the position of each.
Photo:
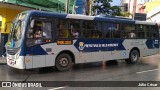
(147, 69)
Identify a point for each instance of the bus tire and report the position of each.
(63, 62)
(133, 57)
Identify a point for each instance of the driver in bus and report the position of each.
(38, 36)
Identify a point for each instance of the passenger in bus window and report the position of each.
(75, 34)
(132, 34)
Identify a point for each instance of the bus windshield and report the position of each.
(16, 34)
(16, 31)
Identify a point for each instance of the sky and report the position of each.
(115, 3)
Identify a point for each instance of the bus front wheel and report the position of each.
(63, 62)
(133, 57)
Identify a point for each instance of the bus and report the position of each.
(46, 39)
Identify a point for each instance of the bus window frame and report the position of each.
(42, 19)
(82, 29)
(112, 32)
(149, 31)
(123, 31)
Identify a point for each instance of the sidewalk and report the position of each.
(2, 60)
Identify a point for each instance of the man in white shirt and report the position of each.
(75, 34)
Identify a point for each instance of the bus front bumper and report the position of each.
(15, 62)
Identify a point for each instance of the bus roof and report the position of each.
(145, 22)
(84, 17)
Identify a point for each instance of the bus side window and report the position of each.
(74, 29)
(111, 30)
(34, 34)
(40, 33)
(153, 32)
(63, 29)
(47, 31)
(142, 31)
(85, 29)
(129, 31)
(92, 29)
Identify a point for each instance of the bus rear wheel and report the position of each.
(133, 57)
(63, 62)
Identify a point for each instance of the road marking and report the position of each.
(147, 71)
(56, 88)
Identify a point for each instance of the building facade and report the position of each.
(134, 6)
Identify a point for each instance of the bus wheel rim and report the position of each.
(63, 62)
(134, 56)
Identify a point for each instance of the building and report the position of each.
(150, 5)
(129, 6)
(134, 6)
(152, 9)
(154, 15)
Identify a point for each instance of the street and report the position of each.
(147, 69)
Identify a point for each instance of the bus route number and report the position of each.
(64, 42)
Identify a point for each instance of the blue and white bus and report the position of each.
(44, 39)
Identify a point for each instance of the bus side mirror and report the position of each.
(32, 24)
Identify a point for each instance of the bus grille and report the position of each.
(11, 51)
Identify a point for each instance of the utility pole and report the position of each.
(89, 4)
(67, 2)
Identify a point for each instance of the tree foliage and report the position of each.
(116, 11)
(104, 7)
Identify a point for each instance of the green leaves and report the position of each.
(104, 7)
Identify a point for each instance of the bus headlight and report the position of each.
(17, 54)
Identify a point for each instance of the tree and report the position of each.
(102, 6)
(116, 11)
(125, 14)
